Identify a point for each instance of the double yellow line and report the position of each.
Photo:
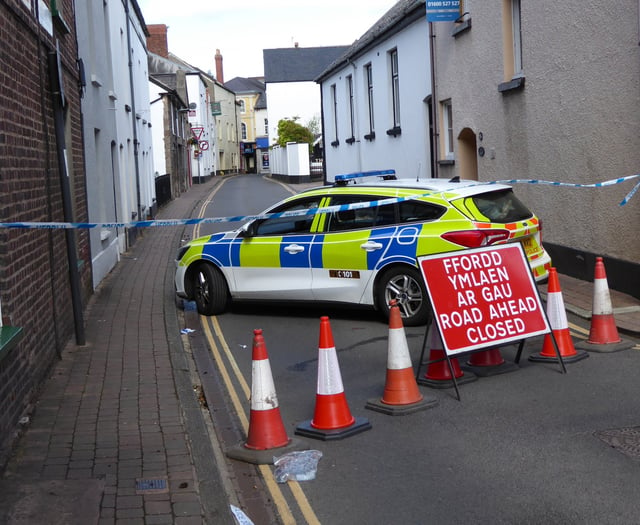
(239, 398)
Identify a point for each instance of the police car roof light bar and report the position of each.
(385, 174)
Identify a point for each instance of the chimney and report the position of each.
(157, 40)
(219, 72)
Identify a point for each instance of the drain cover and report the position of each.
(152, 485)
(625, 440)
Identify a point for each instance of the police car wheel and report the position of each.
(210, 290)
(405, 286)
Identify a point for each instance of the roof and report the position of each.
(402, 14)
(298, 64)
(245, 85)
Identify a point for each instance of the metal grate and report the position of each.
(625, 440)
(152, 485)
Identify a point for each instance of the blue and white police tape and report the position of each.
(300, 213)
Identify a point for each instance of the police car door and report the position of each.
(273, 258)
(350, 250)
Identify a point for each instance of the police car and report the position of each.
(356, 241)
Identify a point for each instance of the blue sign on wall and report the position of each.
(443, 10)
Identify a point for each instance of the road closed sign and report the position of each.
(483, 297)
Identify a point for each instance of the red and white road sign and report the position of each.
(483, 297)
(197, 132)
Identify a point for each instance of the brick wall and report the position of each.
(34, 271)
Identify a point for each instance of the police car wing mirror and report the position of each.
(248, 230)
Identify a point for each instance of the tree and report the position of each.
(314, 125)
(291, 131)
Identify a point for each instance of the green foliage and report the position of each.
(291, 131)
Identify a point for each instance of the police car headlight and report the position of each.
(181, 253)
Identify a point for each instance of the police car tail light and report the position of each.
(476, 238)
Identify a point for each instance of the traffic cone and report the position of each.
(560, 327)
(332, 418)
(438, 374)
(267, 436)
(401, 395)
(490, 362)
(603, 334)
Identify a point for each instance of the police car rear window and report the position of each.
(501, 206)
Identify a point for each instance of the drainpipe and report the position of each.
(133, 111)
(55, 75)
(434, 103)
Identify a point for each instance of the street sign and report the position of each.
(443, 10)
(197, 132)
(483, 297)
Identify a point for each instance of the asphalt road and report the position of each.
(532, 446)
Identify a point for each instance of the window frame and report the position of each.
(334, 104)
(447, 129)
(395, 86)
(350, 95)
(368, 75)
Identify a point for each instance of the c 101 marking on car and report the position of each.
(344, 274)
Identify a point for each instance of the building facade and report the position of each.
(116, 125)
(251, 107)
(45, 274)
(375, 99)
(549, 93)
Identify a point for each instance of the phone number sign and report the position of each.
(483, 297)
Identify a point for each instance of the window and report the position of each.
(395, 88)
(416, 211)
(517, 37)
(368, 75)
(512, 46)
(243, 130)
(359, 218)
(385, 215)
(288, 225)
(351, 138)
(242, 108)
(334, 106)
(447, 129)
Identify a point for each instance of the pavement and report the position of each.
(118, 434)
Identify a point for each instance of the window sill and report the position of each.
(370, 136)
(394, 132)
(446, 162)
(514, 84)
(335, 143)
(461, 27)
(350, 140)
(10, 336)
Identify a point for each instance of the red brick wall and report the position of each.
(34, 272)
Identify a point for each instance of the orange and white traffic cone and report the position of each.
(603, 334)
(438, 373)
(267, 436)
(485, 363)
(401, 394)
(557, 316)
(332, 418)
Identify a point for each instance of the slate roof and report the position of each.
(245, 85)
(298, 64)
(242, 85)
(402, 14)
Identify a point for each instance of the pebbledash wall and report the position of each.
(35, 290)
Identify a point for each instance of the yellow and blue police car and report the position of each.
(356, 241)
